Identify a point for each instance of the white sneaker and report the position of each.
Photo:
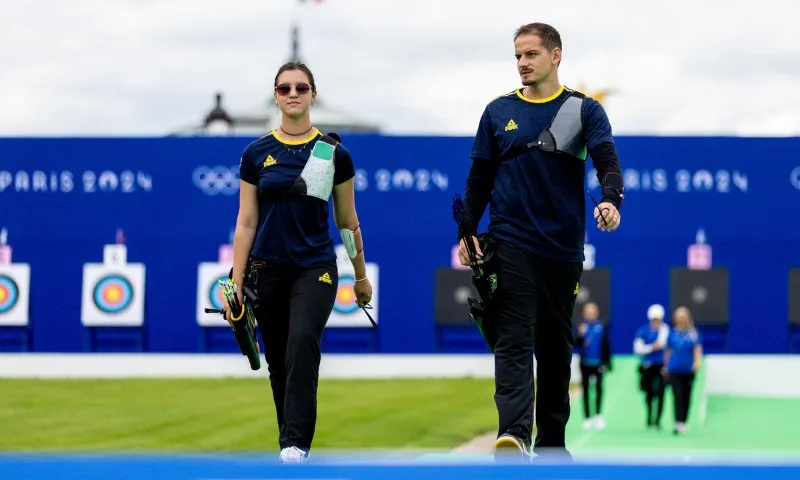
(599, 423)
(588, 423)
(293, 455)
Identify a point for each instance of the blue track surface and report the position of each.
(240, 467)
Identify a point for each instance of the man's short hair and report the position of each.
(549, 35)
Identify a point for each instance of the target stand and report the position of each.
(594, 286)
(455, 333)
(794, 310)
(112, 306)
(705, 293)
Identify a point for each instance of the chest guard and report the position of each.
(565, 132)
(316, 179)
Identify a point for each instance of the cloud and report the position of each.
(415, 66)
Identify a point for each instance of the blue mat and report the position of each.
(241, 467)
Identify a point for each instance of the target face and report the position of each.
(345, 295)
(113, 294)
(9, 293)
(215, 295)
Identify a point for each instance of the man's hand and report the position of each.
(463, 256)
(611, 215)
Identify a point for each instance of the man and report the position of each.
(529, 159)
(649, 344)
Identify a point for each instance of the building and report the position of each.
(264, 117)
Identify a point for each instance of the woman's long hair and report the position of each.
(689, 321)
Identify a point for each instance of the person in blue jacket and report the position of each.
(682, 358)
(594, 348)
(649, 344)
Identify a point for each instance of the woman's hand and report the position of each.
(363, 291)
(227, 308)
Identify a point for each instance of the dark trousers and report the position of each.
(681, 384)
(535, 298)
(653, 387)
(294, 306)
(587, 372)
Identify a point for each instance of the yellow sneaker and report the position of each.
(509, 446)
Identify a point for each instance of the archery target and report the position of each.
(215, 296)
(346, 312)
(14, 294)
(113, 295)
(9, 293)
(345, 295)
(209, 293)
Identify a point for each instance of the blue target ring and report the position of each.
(9, 293)
(215, 295)
(345, 295)
(113, 294)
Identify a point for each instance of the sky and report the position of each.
(148, 67)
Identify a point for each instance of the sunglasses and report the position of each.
(284, 89)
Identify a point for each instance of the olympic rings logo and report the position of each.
(217, 180)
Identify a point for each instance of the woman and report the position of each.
(649, 345)
(594, 349)
(282, 235)
(682, 358)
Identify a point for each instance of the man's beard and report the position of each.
(531, 81)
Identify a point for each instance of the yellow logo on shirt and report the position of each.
(577, 287)
(511, 125)
(325, 278)
(269, 161)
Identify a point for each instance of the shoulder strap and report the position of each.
(514, 151)
(323, 149)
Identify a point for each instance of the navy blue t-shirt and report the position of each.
(292, 229)
(538, 200)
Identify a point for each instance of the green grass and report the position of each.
(196, 415)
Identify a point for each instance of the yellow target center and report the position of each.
(113, 294)
(3, 294)
(346, 295)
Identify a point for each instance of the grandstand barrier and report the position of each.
(774, 376)
(735, 375)
(145, 365)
